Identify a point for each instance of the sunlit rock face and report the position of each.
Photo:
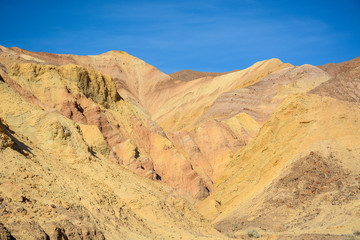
(109, 147)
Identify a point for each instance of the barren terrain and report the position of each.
(109, 147)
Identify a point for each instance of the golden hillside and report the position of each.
(109, 147)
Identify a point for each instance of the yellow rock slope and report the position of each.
(299, 175)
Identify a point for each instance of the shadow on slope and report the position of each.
(18, 146)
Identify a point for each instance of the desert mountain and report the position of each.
(189, 75)
(109, 147)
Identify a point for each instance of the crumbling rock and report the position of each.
(4, 233)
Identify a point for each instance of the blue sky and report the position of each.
(202, 35)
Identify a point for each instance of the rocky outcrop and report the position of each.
(77, 81)
(4, 233)
(27, 230)
(67, 230)
(95, 139)
(5, 140)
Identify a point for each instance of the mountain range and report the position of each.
(110, 147)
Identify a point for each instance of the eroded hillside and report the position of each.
(109, 147)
